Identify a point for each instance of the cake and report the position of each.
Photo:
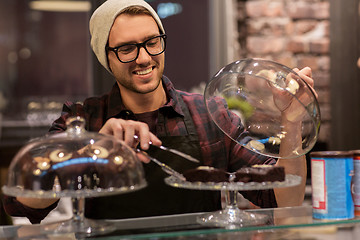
(206, 174)
(37, 174)
(260, 173)
(75, 172)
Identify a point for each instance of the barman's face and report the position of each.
(142, 75)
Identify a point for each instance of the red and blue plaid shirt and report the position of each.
(217, 149)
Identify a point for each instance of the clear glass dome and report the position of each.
(264, 94)
(75, 163)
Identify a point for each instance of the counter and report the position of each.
(283, 223)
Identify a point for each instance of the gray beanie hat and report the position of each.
(102, 20)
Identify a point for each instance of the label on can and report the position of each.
(356, 184)
(318, 184)
(331, 187)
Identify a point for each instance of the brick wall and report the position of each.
(294, 33)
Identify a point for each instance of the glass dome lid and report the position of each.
(75, 163)
(267, 97)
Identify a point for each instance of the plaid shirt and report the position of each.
(217, 149)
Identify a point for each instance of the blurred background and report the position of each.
(45, 57)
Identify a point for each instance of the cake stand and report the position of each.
(267, 108)
(76, 164)
(231, 216)
(78, 224)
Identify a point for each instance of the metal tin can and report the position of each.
(331, 174)
(356, 182)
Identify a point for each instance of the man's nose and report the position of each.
(143, 56)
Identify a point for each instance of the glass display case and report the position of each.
(283, 223)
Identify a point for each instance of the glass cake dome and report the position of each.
(267, 97)
(75, 163)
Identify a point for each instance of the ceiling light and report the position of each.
(60, 6)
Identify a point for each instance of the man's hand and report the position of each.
(125, 130)
(294, 196)
(291, 108)
(306, 75)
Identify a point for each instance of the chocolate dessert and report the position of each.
(77, 172)
(260, 173)
(40, 178)
(206, 174)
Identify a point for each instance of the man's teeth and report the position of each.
(143, 72)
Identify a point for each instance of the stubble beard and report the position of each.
(131, 86)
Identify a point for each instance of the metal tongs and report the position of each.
(174, 151)
(163, 166)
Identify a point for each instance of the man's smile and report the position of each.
(144, 71)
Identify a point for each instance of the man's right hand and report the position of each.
(126, 130)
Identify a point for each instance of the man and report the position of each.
(129, 40)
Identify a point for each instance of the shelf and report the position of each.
(283, 223)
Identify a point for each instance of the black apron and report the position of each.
(158, 198)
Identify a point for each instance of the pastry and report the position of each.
(260, 173)
(206, 174)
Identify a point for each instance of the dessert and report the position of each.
(260, 173)
(41, 177)
(76, 171)
(206, 174)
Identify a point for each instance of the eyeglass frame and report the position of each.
(138, 46)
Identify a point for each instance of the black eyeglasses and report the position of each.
(129, 52)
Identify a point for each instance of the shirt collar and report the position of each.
(172, 96)
(116, 107)
(115, 104)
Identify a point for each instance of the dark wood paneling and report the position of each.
(345, 75)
